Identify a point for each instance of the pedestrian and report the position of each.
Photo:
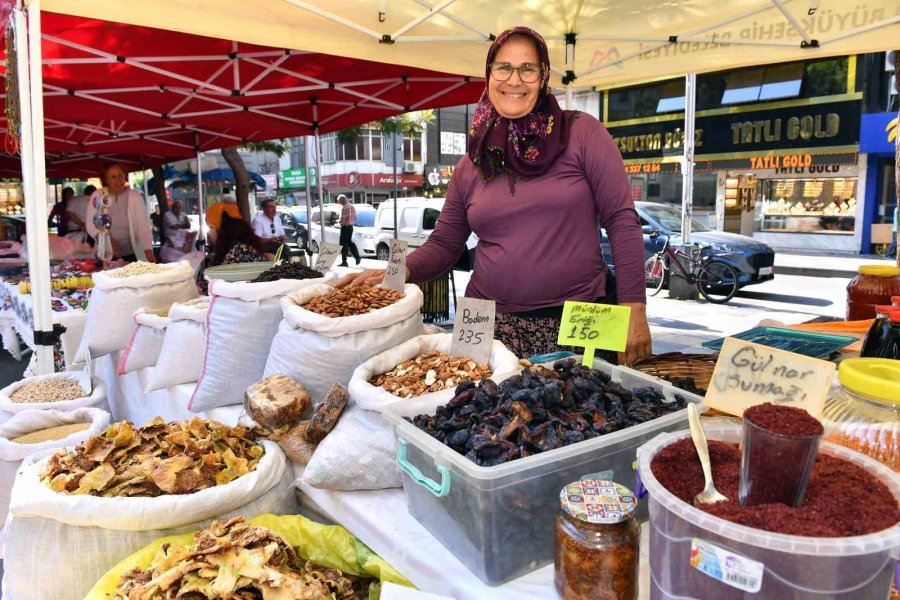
(129, 229)
(267, 225)
(227, 205)
(156, 224)
(893, 247)
(60, 212)
(348, 220)
(534, 185)
(178, 229)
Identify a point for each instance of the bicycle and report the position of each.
(715, 280)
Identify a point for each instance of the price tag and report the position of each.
(328, 254)
(592, 326)
(748, 374)
(473, 330)
(395, 274)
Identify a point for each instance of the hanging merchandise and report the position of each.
(103, 223)
(13, 111)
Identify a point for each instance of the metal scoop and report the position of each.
(709, 495)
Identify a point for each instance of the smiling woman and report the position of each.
(533, 186)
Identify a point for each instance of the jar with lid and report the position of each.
(878, 332)
(597, 542)
(863, 412)
(873, 285)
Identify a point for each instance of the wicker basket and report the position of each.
(698, 367)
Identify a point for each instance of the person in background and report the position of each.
(226, 206)
(130, 223)
(178, 229)
(156, 224)
(78, 214)
(267, 225)
(236, 243)
(60, 212)
(348, 220)
(534, 185)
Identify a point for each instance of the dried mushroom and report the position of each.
(233, 560)
(159, 458)
(431, 372)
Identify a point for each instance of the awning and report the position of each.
(613, 41)
(144, 96)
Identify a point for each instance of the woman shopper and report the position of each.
(235, 243)
(129, 229)
(534, 186)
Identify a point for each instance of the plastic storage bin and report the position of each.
(499, 521)
(794, 567)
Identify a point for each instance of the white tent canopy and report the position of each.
(612, 41)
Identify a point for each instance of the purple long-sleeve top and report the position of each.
(540, 246)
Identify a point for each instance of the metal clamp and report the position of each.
(49, 338)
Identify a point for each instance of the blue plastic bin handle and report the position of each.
(438, 489)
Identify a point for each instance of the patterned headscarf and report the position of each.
(526, 146)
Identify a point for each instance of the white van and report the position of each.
(416, 219)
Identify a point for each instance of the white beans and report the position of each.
(136, 268)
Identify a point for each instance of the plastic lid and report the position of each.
(877, 378)
(895, 300)
(879, 270)
(598, 501)
(886, 309)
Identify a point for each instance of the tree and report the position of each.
(159, 180)
(241, 177)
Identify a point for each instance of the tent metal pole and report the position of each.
(394, 158)
(306, 178)
(332, 17)
(200, 199)
(419, 20)
(687, 164)
(34, 180)
(319, 179)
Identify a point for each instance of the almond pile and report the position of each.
(352, 300)
(430, 372)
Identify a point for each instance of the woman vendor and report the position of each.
(129, 229)
(534, 185)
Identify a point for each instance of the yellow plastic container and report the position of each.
(863, 413)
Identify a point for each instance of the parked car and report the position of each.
(753, 260)
(416, 220)
(331, 213)
(294, 231)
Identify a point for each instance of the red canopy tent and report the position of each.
(138, 95)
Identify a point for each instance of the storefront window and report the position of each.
(329, 143)
(666, 189)
(808, 205)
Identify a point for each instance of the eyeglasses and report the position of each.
(273, 227)
(528, 73)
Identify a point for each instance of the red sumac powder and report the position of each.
(786, 420)
(842, 499)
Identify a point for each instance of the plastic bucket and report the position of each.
(787, 567)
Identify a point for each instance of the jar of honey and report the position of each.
(597, 540)
(873, 286)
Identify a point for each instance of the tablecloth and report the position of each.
(127, 400)
(380, 519)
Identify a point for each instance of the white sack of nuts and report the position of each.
(319, 351)
(146, 341)
(118, 293)
(88, 535)
(181, 356)
(29, 421)
(425, 384)
(243, 319)
(57, 391)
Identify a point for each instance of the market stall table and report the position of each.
(380, 519)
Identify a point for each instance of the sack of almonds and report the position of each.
(422, 369)
(326, 333)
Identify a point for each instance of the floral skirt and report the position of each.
(527, 336)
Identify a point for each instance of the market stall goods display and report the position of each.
(539, 410)
(326, 414)
(181, 354)
(48, 390)
(294, 443)
(59, 391)
(146, 340)
(242, 321)
(159, 458)
(840, 543)
(326, 333)
(276, 403)
(430, 372)
(288, 271)
(233, 559)
(352, 300)
(50, 434)
(119, 293)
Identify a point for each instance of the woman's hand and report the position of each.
(639, 343)
(150, 256)
(367, 277)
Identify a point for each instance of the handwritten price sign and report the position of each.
(594, 326)
(395, 273)
(328, 254)
(473, 330)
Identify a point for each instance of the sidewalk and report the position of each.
(819, 265)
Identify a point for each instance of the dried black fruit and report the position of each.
(288, 271)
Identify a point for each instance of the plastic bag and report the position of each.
(329, 546)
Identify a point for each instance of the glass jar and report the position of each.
(863, 413)
(597, 542)
(878, 332)
(873, 285)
